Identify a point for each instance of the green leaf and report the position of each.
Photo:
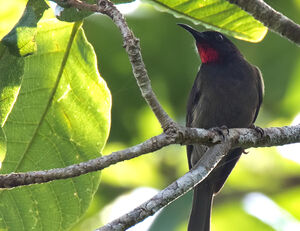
(61, 117)
(71, 14)
(217, 15)
(10, 81)
(2, 144)
(10, 14)
(21, 39)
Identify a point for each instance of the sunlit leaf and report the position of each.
(61, 117)
(217, 15)
(2, 144)
(10, 81)
(21, 39)
(10, 13)
(11, 71)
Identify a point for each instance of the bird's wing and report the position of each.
(194, 96)
(261, 89)
(194, 152)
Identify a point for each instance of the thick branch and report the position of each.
(173, 191)
(272, 19)
(132, 46)
(238, 137)
(247, 138)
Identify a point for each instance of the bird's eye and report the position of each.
(219, 37)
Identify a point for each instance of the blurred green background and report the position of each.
(172, 64)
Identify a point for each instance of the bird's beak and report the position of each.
(197, 35)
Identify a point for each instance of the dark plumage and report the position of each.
(227, 91)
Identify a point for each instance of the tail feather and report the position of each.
(202, 202)
(203, 192)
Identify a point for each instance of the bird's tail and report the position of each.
(202, 202)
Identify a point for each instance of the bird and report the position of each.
(227, 93)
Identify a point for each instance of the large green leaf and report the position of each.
(61, 117)
(10, 81)
(10, 13)
(21, 39)
(217, 15)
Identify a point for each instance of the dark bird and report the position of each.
(227, 92)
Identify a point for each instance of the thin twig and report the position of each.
(271, 18)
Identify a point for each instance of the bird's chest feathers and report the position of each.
(208, 54)
(225, 79)
(224, 92)
(228, 91)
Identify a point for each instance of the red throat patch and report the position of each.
(207, 53)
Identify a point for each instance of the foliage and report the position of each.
(55, 111)
(217, 15)
(60, 116)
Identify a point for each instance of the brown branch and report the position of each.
(272, 19)
(238, 137)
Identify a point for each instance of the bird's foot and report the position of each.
(258, 130)
(220, 130)
(175, 131)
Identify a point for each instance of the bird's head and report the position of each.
(212, 46)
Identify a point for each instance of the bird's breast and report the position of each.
(227, 96)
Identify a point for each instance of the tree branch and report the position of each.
(238, 137)
(18, 179)
(272, 19)
(247, 138)
(177, 189)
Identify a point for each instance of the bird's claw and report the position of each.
(224, 127)
(220, 130)
(258, 130)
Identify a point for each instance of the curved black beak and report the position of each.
(197, 35)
